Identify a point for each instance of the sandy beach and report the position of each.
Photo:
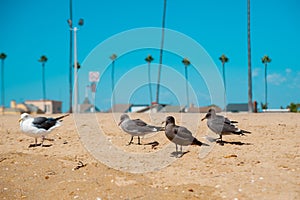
(262, 165)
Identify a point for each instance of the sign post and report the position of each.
(94, 79)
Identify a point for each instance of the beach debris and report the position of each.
(230, 156)
(79, 165)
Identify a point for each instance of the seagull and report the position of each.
(39, 126)
(180, 135)
(222, 125)
(136, 127)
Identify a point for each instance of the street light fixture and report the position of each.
(75, 29)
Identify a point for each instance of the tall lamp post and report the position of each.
(75, 29)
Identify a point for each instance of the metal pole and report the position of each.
(70, 58)
(161, 51)
(75, 107)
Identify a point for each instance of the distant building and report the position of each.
(48, 106)
(237, 107)
(121, 108)
(160, 108)
(203, 109)
(125, 108)
(87, 107)
(19, 108)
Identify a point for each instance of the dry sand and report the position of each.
(262, 165)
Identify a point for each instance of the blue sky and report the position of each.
(33, 28)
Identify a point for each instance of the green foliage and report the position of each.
(3, 56)
(294, 107)
(266, 59)
(43, 59)
(264, 106)
(224, 59)
(186, 62)
(149, 59)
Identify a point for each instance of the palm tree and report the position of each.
(113, 57)
(161, 50)
(149, 59)
(224, 60)
(43, 60)
(265, 60)
(2, 57)
(250, 107)
(186, 63)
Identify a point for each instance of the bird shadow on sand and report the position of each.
(153, 144)
(232, 143)
(178, 154)
(37, 145)
(218, 141)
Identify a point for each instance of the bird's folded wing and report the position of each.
(183, 132)
(139, 122)
(39, 120)
(43, 122)
(218, 125)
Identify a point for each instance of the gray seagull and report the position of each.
(39, 126)
(180, 135)
(222, 125)
(136, 127)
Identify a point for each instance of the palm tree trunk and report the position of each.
(161, 51)
(149, 83)
(186, 87)
(70, 62)
(2, 84)
(224, 82)
(250, 107)
(266, 87)
(113, 82)
(44, 85)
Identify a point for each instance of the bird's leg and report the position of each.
(139, 140)
(33, 145)
(220, 141)
(43, 138)
(130, 142)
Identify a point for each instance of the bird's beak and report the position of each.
(119, 123)
(20, 120)
(163, 122)
(203, 118)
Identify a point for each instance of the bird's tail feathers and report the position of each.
(197, 142)
(246, 131)
(59, 118)
(157, 128)
(241, 132)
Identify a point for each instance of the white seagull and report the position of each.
(39, 126)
